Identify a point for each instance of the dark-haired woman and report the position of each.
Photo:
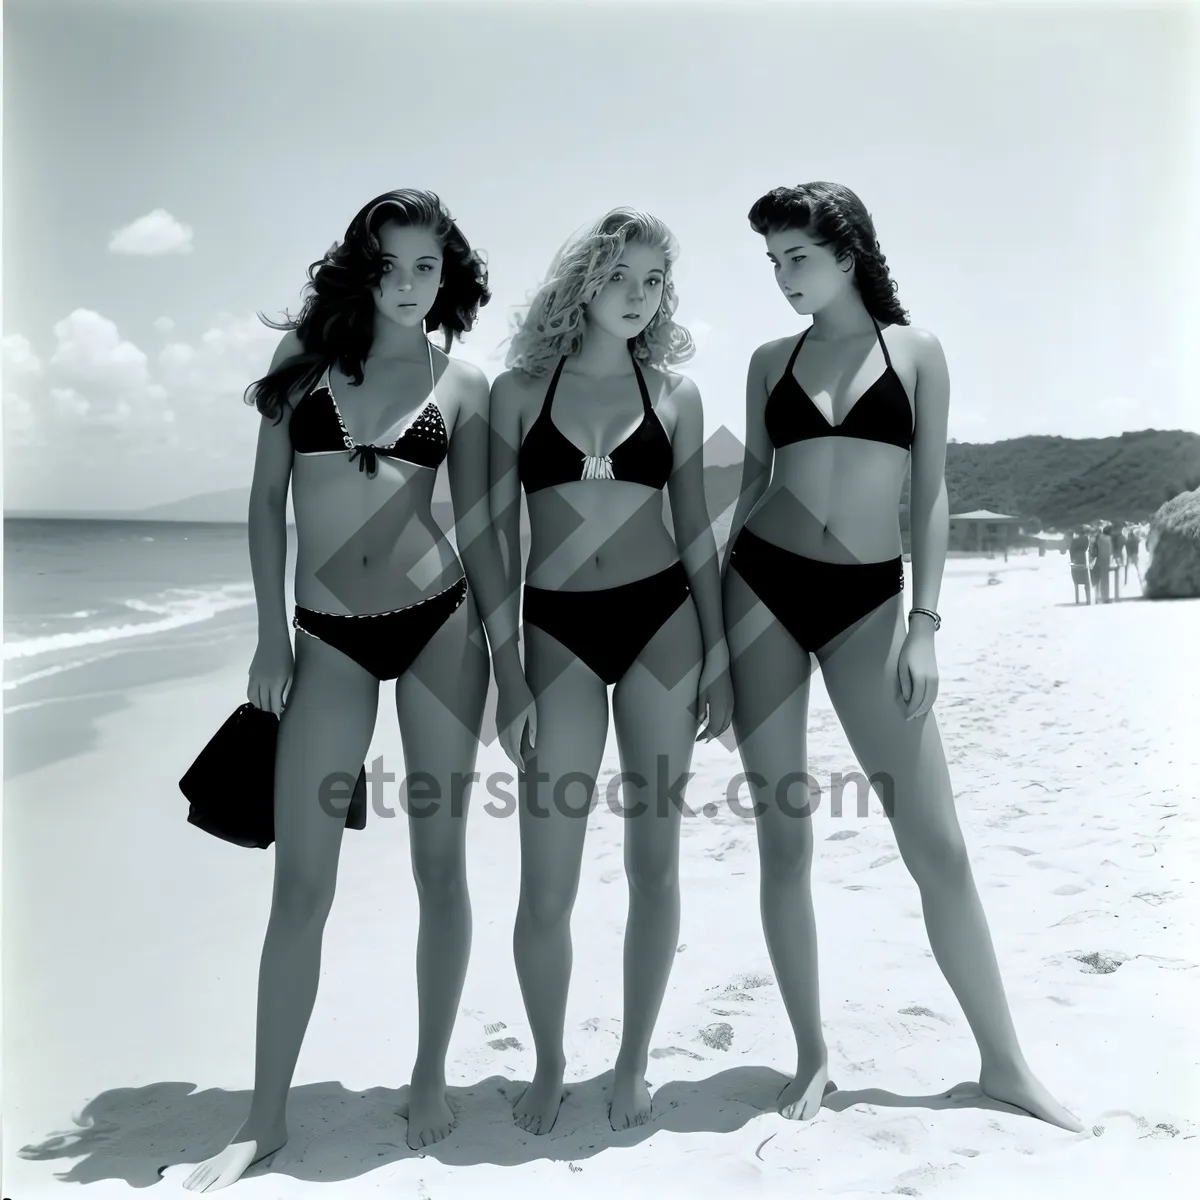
(834, 419)
(358, 412)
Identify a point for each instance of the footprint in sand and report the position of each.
(842, 835)
(884, 860)
(669, 1051)
(1077, 918)
(718, 1036)
(919, 1010)
(1096, 963)
(1018, 850)
(1169, 964)
(508, 1043)
(1067, 889)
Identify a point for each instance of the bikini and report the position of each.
(812, 599)
(607, 628)
(385, 644)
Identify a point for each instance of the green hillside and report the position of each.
(1064, 480)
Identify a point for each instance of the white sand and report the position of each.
(132, 945)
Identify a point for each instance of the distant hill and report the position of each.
(227, 506)
(1056, 480)
(1064, 480)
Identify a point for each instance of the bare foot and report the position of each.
(801, 1099)
(1017, 1086)
(630, 1104)
(537, 1109)
(238, 1157)
(428, 1113)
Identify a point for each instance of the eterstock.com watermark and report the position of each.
(626, 794)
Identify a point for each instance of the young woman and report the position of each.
(592, 425)
(833, 420)
(358, 413)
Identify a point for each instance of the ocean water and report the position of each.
(78, 593)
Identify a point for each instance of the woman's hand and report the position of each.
(918, 673)
(714, 694)
(516, 716)
(271, 673)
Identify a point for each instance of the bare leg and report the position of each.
(572, 724)
(656, 730)
(860, 675)
(441, 741)
(325, 728)
(770, 718)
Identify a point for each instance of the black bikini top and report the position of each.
(316, 427)
(546, 457)
(881, 414)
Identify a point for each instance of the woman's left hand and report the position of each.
(917, 669)
(714, 694)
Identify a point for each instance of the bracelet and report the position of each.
(937, 621)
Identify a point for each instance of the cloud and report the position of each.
(22, 371)
(164, 325)
(156, 233)
(118, 420)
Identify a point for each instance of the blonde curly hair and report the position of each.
(553, 324)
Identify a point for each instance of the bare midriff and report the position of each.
(834, 499)
(596, 533)
(364, 543)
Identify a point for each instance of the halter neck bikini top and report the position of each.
(547, 458)
(881, 414)
(316, 427)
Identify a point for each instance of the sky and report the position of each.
(170, 169)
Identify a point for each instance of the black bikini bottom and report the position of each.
(607, 629)
(385, 644)
(814, 601)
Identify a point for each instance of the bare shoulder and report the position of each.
(289, 346)
(515, 396)
(678, 393)
(514, 386)
(459, 371)
(922, 346)
(766, 354)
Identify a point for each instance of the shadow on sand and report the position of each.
(135, 1134)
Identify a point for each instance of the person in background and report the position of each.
(1118, 558)
(1131, 554)
(1079, 564)
(1103, 564)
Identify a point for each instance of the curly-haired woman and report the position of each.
(592, 424)
(357, 413)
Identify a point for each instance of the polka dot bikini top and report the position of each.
(316, 427)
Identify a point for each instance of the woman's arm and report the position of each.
(689, 510)
(267, 514)
(504, 504)
(929, 506)
(468, 471)
(758, 454)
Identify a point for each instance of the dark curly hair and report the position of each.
(336, 321)
(837, 218)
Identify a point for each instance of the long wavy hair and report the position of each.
(837, 218)
(337, 319)
(554, 324)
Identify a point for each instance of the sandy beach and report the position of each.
(131, 945)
